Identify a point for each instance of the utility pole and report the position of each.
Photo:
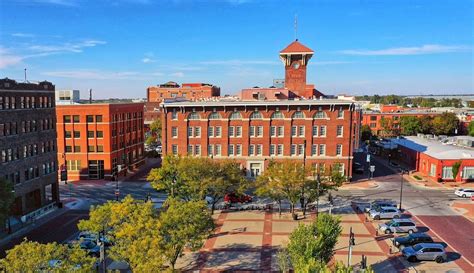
(401, 187)
(351, 244)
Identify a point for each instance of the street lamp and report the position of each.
(318, 181)
(402, 171)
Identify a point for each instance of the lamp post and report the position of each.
(302, 201)
(402, 171)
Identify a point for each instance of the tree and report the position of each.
(365, 132)
(410, 125)
(150, 140)
(426, 123)
(132, 226)
(35, 257)
(387, 126)
(167, 178)
(445, 124)
(314, 244)
(6, 199)
(455, 169)
(183, 225)
(155, 128)
(470, 128)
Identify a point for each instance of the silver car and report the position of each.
(385, 213)
(380, 203)
(398, 225)
(425, 252)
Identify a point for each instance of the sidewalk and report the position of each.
(360, 185)
(428, 183)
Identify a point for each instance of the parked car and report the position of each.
(90, 246)
(464, 192)
(411, 240)
(235, 198)
(358, 168)
(380, 203)
(86, 235)
(425, 252)
(398, 225)
(385, 213)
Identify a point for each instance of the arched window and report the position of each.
(256, 115)
(278, 115)
(319, 115)
(215, 115)
(298, 115)
(235, 116)
(194, 116)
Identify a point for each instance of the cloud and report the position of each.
(94, 74)
(177, 74)
(69, 3)
(23, 35)
(7, 58)
(420, 50)
(148, 60)
(239, 62)
(67, 47)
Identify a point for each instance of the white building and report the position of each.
(67, 96)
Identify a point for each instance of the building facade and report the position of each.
(375, 120)
(67, 96)
(28, 143)
(189, 91)
(100, 140)
(318, 132)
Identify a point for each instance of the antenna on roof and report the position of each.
(25, 75)
(296, 27)
(90, 95)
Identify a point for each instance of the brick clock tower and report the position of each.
(295, 57)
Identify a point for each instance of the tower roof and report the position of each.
(297, 47)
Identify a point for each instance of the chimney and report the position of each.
(90, 95)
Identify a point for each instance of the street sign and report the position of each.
(368, 157)
(372, 168)
(117, 192)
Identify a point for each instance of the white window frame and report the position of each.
(315, 131)
(301, 131)
(341, 132)
(238, 131)
(339, 149)
(281, 131)
(322, 131)
(280, 149)
(174, 132)
(294, 131)
(322, 149)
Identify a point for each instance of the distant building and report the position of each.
(28, 143)
(189, 91)
(67, 96)
(434, 156)
(279, 83)
(100, 140)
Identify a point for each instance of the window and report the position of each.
(174, 149)
(68, 149)
(235, 116)
(190, 131)
(447, 172)
(301, 131)
(231, 131)
(100, 148)
(339, 149)
(272, 131)
(197, 149)
(67, 119)
(314, 149)
(251, 149)
(77, 134)
(272, 149)
(280, 149)
(90, 134)
(215, 115)
(293, 131)
(77, 149)
(259, 149)
(322, 131)
(255, 115)
(75, 118)
(339, 130)
(293, 149)
(174, 132)
(340, 113)
(194, 116)
(218, 149)
(320, 115)
(190, 149)
(98, 118)
(67, 134)
(277, 115)
(90, 118)
(100, 134)
(174, 115)
(373, 118)
(210, 132)
(373, 125)
(91, 149)
(210, 150)
(315, 130)
(231, 149)
(322, 149)
(301, 150)
(298, 115)
(218, 131)
(433, 170)
(238, 149)
(72, 165)
(252, 131)
(259, 131)
(468, 173)
(281, 131)
(238, 131)
(197, 131)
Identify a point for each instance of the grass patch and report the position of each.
(417, 177)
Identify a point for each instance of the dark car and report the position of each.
(411, 239)
(235, 198)
(358, 168)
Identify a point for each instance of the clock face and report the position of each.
(296, 65)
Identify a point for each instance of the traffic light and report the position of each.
(351, 238)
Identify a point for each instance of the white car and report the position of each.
(464, 192)
(385, 213)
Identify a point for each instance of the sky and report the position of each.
(120, 47)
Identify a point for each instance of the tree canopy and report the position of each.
(410, 125)
(445, 124)
(365, 132)
(155, 128)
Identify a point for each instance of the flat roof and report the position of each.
(435, 148)
(255, 103)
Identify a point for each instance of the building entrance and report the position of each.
(96, 169)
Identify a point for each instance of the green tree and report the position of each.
(445, 124)
(150, 140)
(314, 244)
(156, 128)
(470, 128)
(34, 257)
(365, 132)
(387, 126)
(455, 169)
(183, 225)
(410, 125)
(167, 178)
(6, 199)
(426, 124)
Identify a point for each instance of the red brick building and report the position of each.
(100, 141)
(189, 91)
(373, 119)
(434, 158)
